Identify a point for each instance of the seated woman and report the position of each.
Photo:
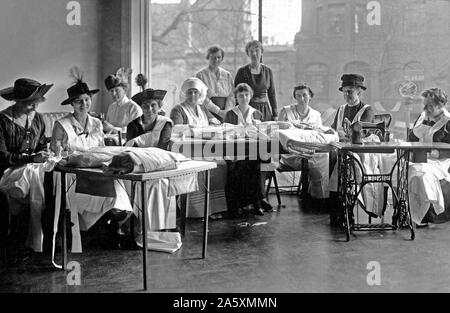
(301, 114)
(190, 111)
(22, 155)
(123, 110)
(429, 183)
(76, 132)
(153, 130)
(244, 185)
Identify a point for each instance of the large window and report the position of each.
(388, 42)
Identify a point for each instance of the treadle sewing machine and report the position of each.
(358, 130)
(352, 178)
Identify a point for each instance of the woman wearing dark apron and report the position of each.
(260, 78)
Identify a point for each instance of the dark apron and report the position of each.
(220, 102)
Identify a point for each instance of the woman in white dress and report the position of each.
(123, 110)
(220, 96)
(302, 115)
(77, 132)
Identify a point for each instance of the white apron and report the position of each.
(318, 165)
(372, 195)
(85, 209)
(151, 138)
(197, 121)
(248, 120)
(424, 186)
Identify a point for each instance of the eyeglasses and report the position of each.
(349, 91)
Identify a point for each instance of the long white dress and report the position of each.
(318, 165)
(85, 209)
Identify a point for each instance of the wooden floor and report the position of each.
(296, 251)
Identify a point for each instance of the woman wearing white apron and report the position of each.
(78, 132)
(23, 159)
(429, 183)
(153, 130)
(301, 112)
(190, 111)
(355, 110)
(244, 185)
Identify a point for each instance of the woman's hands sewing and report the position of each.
(41, 156)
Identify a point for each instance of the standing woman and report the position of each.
(260, 78)
(78, 132)
(123, 110)
(220, 95)
(153, 130)
(22, 154)
(243, 185)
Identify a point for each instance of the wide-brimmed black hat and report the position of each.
(149, 94)
(25, 89)
(352, 80)
(76, 90)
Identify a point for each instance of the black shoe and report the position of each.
(266, 206)
(257, 211)
(116, 215)
(235, 213)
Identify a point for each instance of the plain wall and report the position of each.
(37, 42)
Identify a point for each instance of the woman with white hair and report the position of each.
(190, 111)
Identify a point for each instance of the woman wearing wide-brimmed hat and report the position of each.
(190, 111)
(22, 154)
(78, 132)
(123, 110)
(154, 130)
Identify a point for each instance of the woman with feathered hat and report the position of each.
(123, 110)
(153, 129)
(76, 132)
(22, 155)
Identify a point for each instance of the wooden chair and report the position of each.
(302, 187)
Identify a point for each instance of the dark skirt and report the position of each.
(243, 184)
(264, 108)
(431, 216)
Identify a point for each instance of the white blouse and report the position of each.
(124, 112)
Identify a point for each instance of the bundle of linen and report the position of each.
(124, 160)
(305, 142)
(144, 160)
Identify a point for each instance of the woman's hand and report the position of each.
(214, 121)
(41, 156)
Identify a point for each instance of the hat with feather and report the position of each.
(121, 79)
(79, 88)
(147, 94)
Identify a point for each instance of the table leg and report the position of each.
(144, 234)
(403, 212)
(206, 215)
(348, 189)
(64, 221)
